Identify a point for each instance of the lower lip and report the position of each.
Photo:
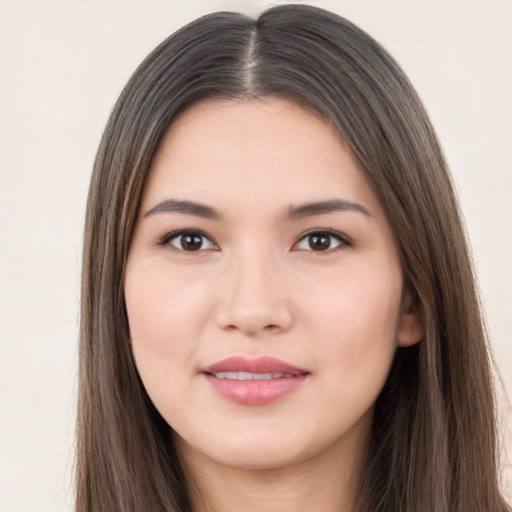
(255, 392)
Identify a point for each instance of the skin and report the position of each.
(254, 286)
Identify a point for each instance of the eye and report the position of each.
(189, 241)
(322, 241)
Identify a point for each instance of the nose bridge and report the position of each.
(255, 295)
(251, 275)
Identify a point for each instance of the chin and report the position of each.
(251, 451)
(261, 460)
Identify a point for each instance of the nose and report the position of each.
(255, 298)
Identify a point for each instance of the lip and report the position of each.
(264, 364)
(255, 392)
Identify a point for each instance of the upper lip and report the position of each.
(264, 364)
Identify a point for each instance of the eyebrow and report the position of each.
(184, 207)
(294, 212)
(324, 207)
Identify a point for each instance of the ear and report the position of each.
(410, 325)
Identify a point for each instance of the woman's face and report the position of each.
(263, 287)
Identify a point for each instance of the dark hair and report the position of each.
(433, 444)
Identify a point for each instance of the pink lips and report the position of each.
(254, 381)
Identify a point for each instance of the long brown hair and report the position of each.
(433, 445)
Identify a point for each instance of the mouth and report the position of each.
(251, 376)
(254, 381)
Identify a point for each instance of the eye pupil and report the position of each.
(319, 242)
(191, 242)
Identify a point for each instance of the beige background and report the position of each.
(62, 64)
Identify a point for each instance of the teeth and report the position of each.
(251, 376)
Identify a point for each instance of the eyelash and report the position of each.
(167, 239)
(342, 240)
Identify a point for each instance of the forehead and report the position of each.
(262, 152)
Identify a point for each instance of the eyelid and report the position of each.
(168, 237)
(344, 240)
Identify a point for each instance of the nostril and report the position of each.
(251, 315)
(252, 329)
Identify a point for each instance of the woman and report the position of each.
(278, 307)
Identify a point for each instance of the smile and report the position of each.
(261, 381)
(251, 376)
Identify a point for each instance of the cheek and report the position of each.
(163, 305)
(356, 316)
(165, 314)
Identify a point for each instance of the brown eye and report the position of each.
(319, 242)
(322, 241)
(190, 241)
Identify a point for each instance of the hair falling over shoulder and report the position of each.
(433, 445)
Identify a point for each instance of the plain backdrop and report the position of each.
(62, 65)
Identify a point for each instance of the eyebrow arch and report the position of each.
(294, 213)
(323, 207)
(184, 207)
